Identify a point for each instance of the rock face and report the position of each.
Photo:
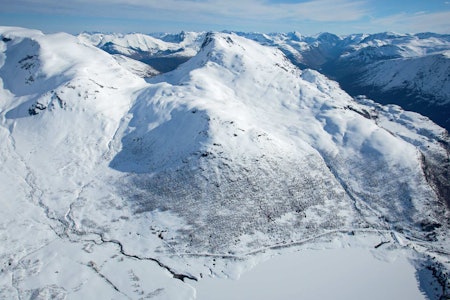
(235, 151)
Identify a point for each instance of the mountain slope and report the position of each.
(404, 69)
(133, 185)
(252, 127)
(136, 67)
(56, 129)
(376, 65)
(163, 53)
(419, 84)
(415, 75)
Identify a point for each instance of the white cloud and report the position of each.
(435, 22)
(309, 16)
(326, 10)
(314, 10)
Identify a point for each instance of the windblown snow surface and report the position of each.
(114, 187)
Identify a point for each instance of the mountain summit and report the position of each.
(239, 119)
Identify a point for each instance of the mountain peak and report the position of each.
(239, 112)
(328, 37)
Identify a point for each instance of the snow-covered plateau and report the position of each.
(120, 179)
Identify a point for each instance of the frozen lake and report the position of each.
(319, 274)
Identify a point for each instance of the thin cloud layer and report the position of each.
(314, 10)
(419, 22)
(307, 16)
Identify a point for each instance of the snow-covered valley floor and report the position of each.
(340, 274)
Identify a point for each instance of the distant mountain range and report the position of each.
(409, 70)
(404, 69)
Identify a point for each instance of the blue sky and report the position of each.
(307, 17)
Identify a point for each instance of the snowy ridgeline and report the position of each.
(134, 183)
(404, 69)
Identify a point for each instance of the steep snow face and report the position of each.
(415, 64)
(419, 83)
(136, 67)
(391, 68)
(426, 75)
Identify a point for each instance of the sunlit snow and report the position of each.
(119, 183)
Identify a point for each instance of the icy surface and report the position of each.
(326, 274)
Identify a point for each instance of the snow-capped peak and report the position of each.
(241, 108)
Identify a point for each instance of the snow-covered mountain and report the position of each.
(404, 69)
(136, 67)
(164, 52)
(132, 184)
